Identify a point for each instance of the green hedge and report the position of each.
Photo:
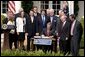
(29, 53)
(82, 40)
(2, 18)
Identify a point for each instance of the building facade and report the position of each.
(56, 5)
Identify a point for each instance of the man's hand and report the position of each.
(51, 36)
(58, 37)
(66, 38)
(26, 34)
(17, 33)
(37, 34)
(56, 34)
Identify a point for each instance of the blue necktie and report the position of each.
(43, 20)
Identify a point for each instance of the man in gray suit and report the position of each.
(76, 33)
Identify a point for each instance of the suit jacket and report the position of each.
(54, 23)
(40, 23)
(77, 32)
(31, 27)
(64, 31)
(45, 32)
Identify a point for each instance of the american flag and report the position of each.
(11, 6)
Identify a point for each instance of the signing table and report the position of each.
(43, 40)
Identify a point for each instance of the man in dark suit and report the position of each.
(42, 22)
(30, 27)
(61, 12)
(63, 33)
(76, 33)
(37, 15)
(53, 20)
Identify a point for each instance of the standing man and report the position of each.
(35, 9)
(63, 33)
(42, 22)
(30, 27)
(53, 20)
(76, 33)
(37, 15)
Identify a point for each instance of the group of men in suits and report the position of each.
(68, 32)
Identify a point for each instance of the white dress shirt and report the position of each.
(20, 24)
(72, 27)
(63, 24)
(51, 19)
(32, 18)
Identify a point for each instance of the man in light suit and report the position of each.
(76, 33)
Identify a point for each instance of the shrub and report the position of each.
(29, 53)
(2, 18)
(82, 40)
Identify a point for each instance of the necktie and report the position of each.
(72, 27)
(43, 20)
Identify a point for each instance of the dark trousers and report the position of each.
(69, 45)
(74, 47)
(63, 46)
(29, 43)
(12, 38)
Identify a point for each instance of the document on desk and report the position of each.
(43, 41)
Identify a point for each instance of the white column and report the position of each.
(71, 7)
(50, 4)
(61, 4)
(39, 9)
(17, 6)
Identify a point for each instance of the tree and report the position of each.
(27, 5)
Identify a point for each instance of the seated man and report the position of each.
(47, 32)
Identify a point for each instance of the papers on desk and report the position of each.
(37, 36)
(45, 37)
(41, 37)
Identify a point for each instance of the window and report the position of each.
(51, 4)
(44, 5)
(4, 6)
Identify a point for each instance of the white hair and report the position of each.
(51, 10)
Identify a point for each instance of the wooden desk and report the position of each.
(33, 46)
